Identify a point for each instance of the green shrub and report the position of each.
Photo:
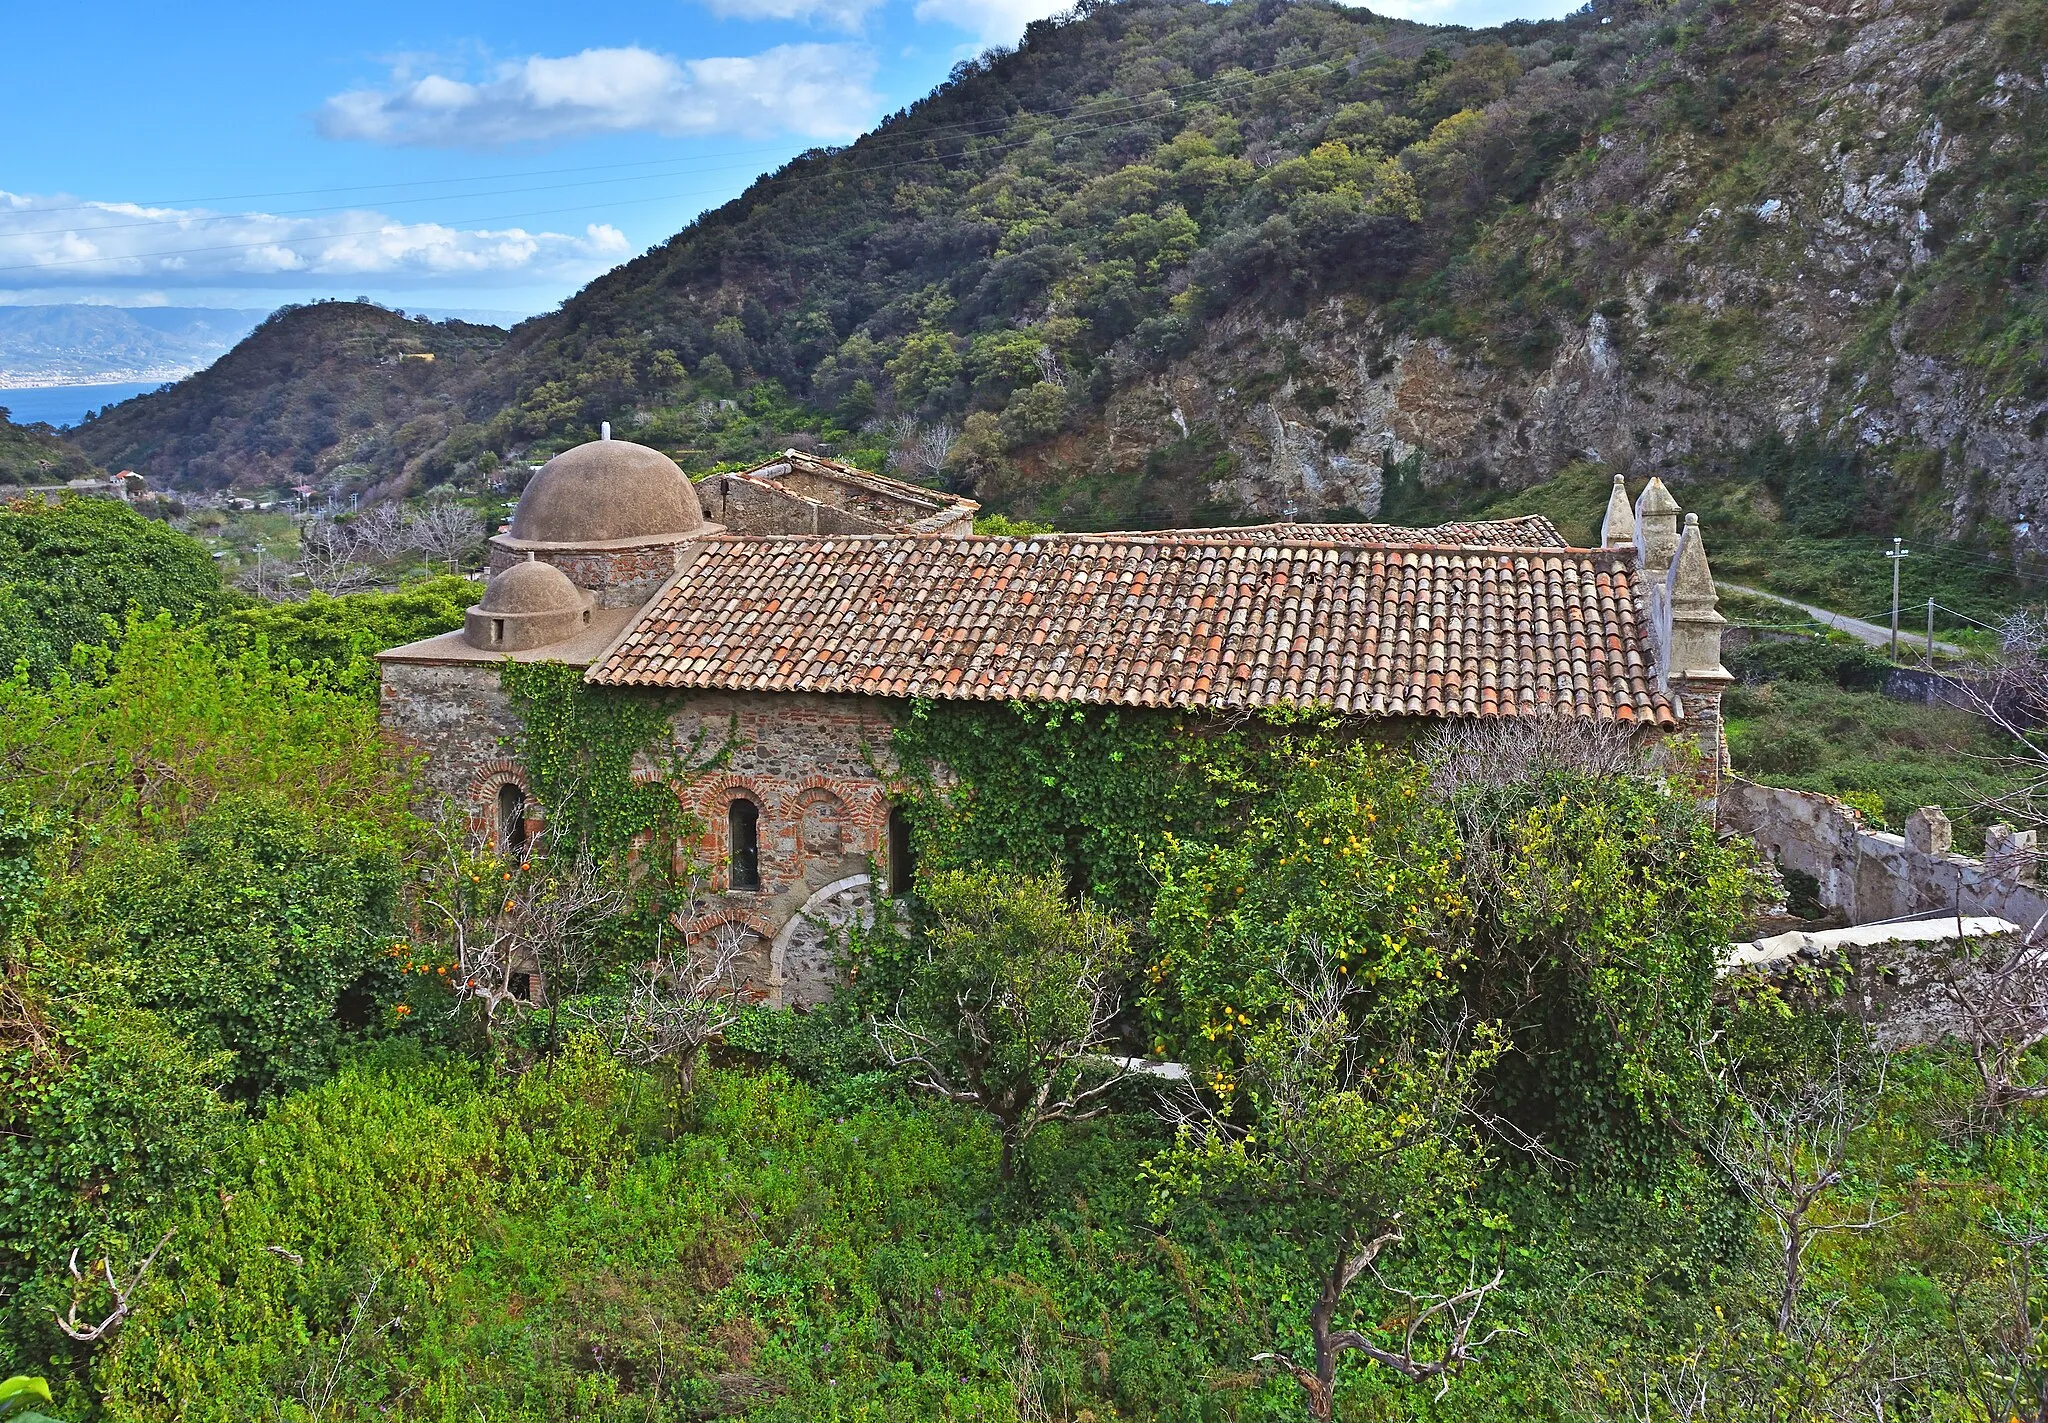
(1849, 665)
(73, 565)
(259, 933)
(333, 642)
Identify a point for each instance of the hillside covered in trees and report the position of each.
(334, 393)
(36, 454)
(1172, 260)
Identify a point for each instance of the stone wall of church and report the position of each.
(458, 719)
(616, 577)
(815, 768)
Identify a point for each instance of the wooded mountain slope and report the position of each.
(1173, 260)
(35, 454)
(336, 391)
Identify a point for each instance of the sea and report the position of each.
(62, 405)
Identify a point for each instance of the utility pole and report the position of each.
(1897, 555)
(1930, 634)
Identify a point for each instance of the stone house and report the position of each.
(801, 607)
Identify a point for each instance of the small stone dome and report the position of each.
(605, 492)
(530, 604)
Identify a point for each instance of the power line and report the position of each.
(347, 207)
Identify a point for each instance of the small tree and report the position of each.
(2000, 1016)
(448, 531)
(677, 1000)
(1785, 1145)
(1010, 1010)
(1349, 1142)
(332, 558)
(499, 917)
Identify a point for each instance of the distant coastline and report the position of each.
(63, 405)
(59, 380)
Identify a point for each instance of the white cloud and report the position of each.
(58, 241)
(838, 14)
(991, 21)
(813, 90)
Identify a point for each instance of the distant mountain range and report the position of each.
(79, 345)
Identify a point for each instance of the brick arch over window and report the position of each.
(711, 797)
(864, 804)
(713, 802)
(481, 800)
(851, 805)
(824, 824)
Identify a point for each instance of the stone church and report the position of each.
(802, 606)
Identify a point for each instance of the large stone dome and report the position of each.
(528, 605)
(607, 491)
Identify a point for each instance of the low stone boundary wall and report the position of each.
(1900, 979)
(1872, 875)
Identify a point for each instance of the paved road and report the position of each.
(1877, 635)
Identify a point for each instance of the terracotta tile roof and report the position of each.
(1527, 531)
(1144, 621)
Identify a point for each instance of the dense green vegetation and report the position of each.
(807, 1236)
(36, 454)
(66, 569)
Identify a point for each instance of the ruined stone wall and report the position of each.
(1905, 982)
(748, 506)
(1871, 875)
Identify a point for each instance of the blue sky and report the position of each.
(436, 154)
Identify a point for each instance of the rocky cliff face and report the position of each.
(1828, 280)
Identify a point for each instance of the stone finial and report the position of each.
(2012, 854)
(1696, 621)
(1656, 527)
(1928, 831)
(1618, 529)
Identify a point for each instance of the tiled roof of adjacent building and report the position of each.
(1527, 531)
(1221, 621)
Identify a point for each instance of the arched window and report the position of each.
(902, 857)
(743, 843)
(511, 820)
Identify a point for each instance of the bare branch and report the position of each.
(681, 998)
(1786, 1150)
(447, 531)
(123, 1295)
(331, 557)
(500, 918)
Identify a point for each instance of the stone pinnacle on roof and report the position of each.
(1656, 527)
(1618, 529)
(1696, 621)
